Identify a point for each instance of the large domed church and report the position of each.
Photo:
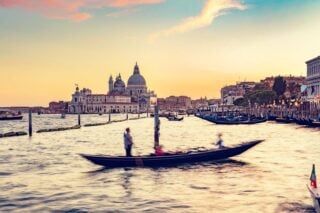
(136, 87)
(136, 84)
(119, 97)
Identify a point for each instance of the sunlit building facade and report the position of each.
(313, 79)
(119, 98)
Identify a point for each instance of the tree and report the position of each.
(258, 97)
(279, 86)
(262, 97)
(240, 102)
(293, 88)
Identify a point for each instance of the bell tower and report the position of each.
(110, 84)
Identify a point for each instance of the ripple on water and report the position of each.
(5, 173)
(295, 207)
(45, 174)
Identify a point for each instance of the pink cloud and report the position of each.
(70, 9)
(210, 11)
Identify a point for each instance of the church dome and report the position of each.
(136, 79)
(119, 83)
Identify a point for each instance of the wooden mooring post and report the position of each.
(79, 119)
(156, 126)
(30, 122)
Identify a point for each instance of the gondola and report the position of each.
(173, 118)
(170, 159)
(231, 122)
(285, 120)
(315, 124)
(303, 122)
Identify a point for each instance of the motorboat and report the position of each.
(10, 115)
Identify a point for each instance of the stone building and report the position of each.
(119, 98)
(175, 103)
(233, 92)
(313, 79)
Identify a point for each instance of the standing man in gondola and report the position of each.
(128, 142)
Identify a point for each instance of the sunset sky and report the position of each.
(183, 47)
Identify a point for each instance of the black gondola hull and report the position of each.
(19, 117)
(239, 122)
(169, 160)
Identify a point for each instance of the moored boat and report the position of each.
(233, 120)
(302, 121)
(285, 120)
(315, 124)
(315, 195)
(230, 122)
(9, 115)
(170, 159)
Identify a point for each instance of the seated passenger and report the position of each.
(220, 141)
(158, 150)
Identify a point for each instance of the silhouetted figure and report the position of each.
(128, 142)
(220, 141)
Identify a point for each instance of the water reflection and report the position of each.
(45, 172)
(295, 207)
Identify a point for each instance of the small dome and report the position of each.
(119, 83)
(136, 79)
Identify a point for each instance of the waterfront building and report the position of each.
(200, 104)
(118, 98)
(175, 103)
(313, 79)
(233, 92)
(83, 101)
(58, 107)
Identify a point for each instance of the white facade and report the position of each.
(313, 79)
(231, 93)
(85, 102)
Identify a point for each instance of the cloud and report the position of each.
(123, 12)
(70, 9)
(211, 10)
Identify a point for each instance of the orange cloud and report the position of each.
(66, 9)
(211, 10)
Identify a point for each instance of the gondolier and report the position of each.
(128, 142)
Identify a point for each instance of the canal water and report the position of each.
(45, 173)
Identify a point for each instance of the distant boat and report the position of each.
(170, 159)
(174, 118)
(9, 115)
